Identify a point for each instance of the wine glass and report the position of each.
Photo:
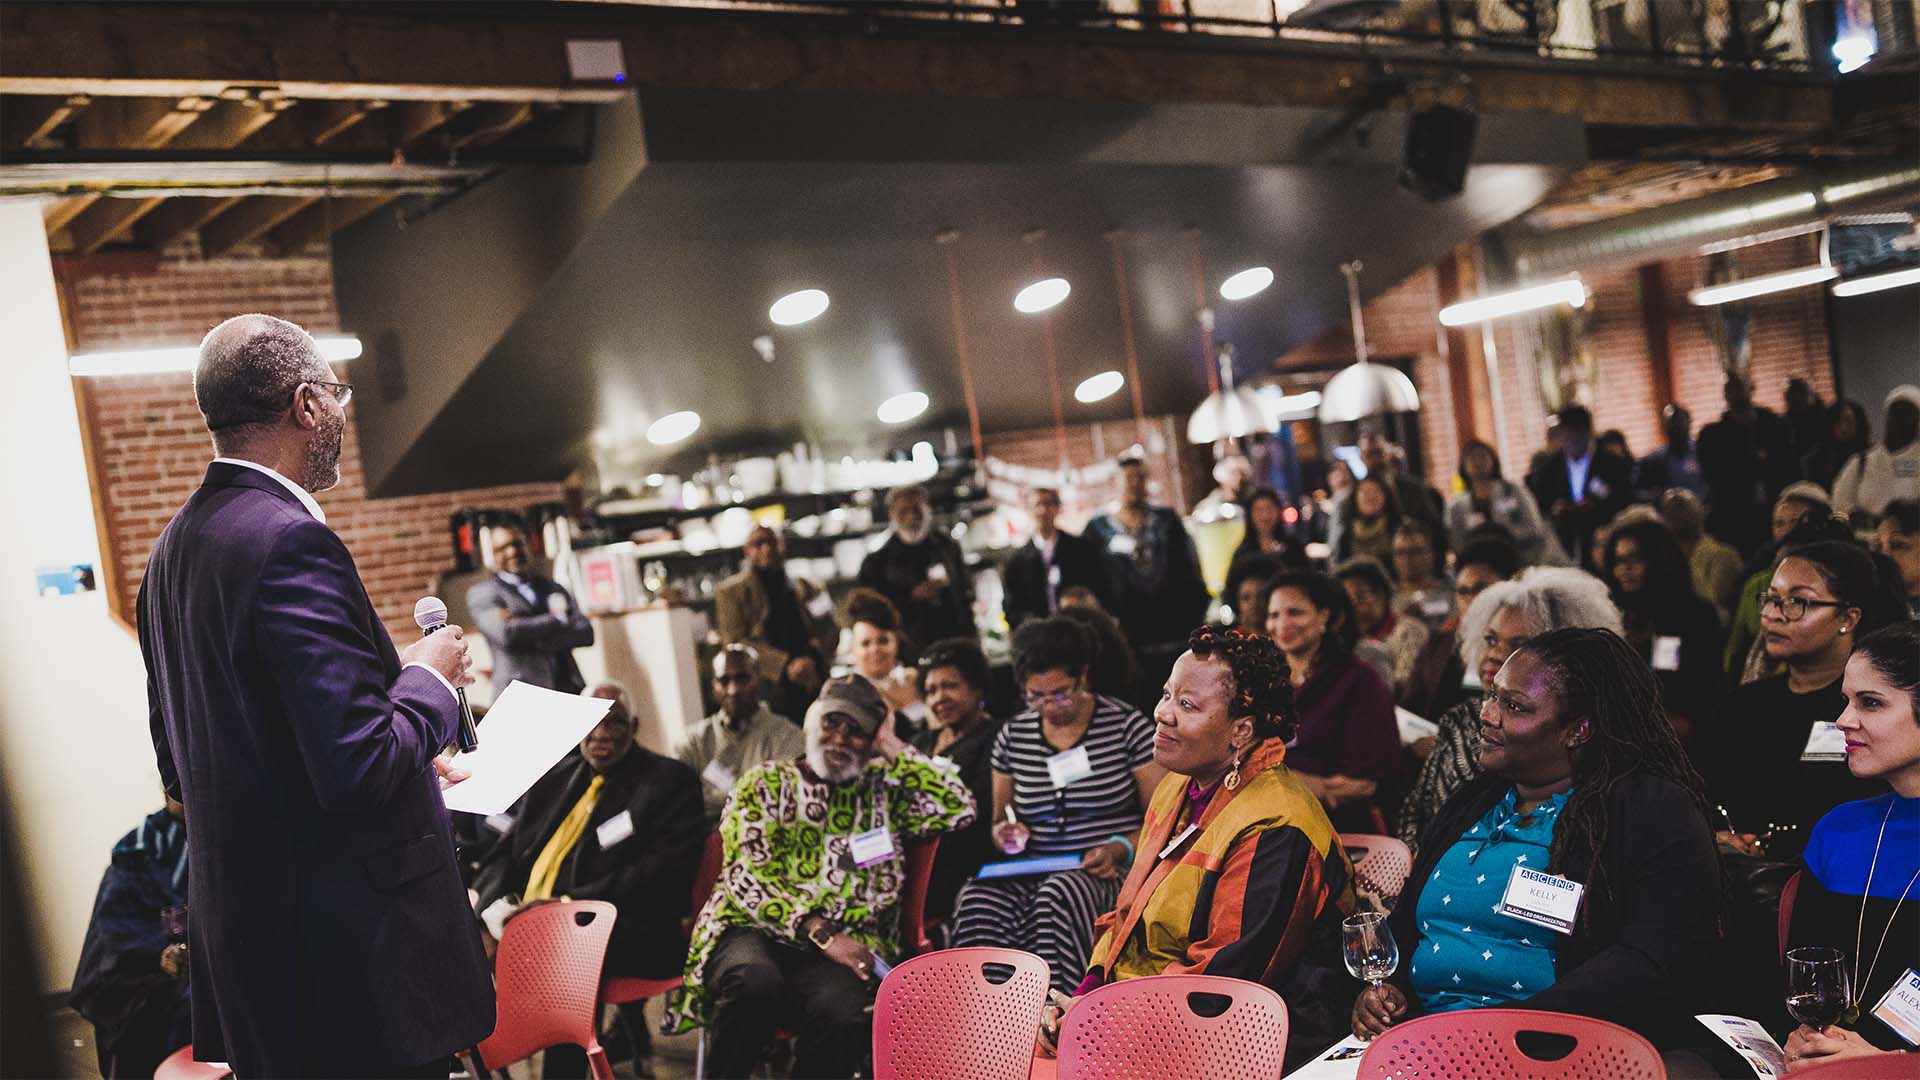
(1817, 992)
(1368, 947)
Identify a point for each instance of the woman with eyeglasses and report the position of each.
(1771, 755)
(1071, 776)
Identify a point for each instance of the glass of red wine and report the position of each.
(1817, 992)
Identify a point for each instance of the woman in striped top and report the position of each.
(1071, 776)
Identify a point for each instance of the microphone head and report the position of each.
(430, 613)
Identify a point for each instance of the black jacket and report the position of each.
(1639, 955)
(1081, 562)
(1608, 491)
(648, 875)
(897, 567)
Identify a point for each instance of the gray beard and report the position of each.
(817, 761)
(321, 469)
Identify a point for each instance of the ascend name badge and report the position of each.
(1547, 900)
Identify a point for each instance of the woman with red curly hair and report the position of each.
(1238, 871)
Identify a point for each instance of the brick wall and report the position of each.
(150, 448)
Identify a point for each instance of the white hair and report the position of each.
(1547, 598)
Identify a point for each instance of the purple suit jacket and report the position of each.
(330, 932)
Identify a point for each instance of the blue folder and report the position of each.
(1038, 864)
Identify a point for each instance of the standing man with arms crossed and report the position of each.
(331, 933)
(530, 622)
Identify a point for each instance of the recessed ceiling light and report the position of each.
(1041, 295)
(1245, 283)
(1099, 387)
(673, 427)
(798, 307)
(901, 408)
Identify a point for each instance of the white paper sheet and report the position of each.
(1341, 1061)
(1751, 1042)
(1413, 727)
(524, 733)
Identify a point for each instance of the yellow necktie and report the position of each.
(546, 868)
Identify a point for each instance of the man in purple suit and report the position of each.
(331, 935)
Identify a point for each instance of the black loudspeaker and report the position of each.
(1439, 146)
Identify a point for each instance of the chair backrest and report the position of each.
(1380, 863)
(1788, 893)
(180, 1065)
(1479, 1044)
(913, 895)
(705, 878)
(1149, 1027)
(546, 978)
(939, 1017)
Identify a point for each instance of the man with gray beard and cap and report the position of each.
(807, 907)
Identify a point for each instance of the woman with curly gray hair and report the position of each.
(1502, 618)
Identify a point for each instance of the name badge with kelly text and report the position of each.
(1826, 742)
(872, 846)
(1900, 1008)
(1547, 900)
(614, 829)
(1068, 766)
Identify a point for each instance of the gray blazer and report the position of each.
(529, 641)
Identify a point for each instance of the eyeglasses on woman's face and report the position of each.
(1791, 608)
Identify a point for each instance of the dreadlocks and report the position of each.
(1599, 678)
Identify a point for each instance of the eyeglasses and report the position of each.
(1792, 607)
(1054, 698)
(342, 392)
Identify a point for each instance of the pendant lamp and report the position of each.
(1364, 388)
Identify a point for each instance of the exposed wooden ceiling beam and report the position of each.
(118, 123)
(107, 220)
(312, 225)
(179, 216)
(230, 123)
(29, 121)
(487, 122)
(248, 221)
(61, 211)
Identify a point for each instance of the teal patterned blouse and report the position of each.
(787, 854)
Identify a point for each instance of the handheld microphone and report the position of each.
(430, 614)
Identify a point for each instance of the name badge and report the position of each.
(614, 829)
(1122, 545)
(1547, 900)
(1435, 606)
(1053, 576)
(718, 776)
(500, 823)
(1825, 743)
(872, 846)
(1900, 1008)
(1599, 488)
(1173, 845)
(1507, 507)
(820, 606)
(557, 605)
(1069, 765)
(1666, 653)
(937, 572)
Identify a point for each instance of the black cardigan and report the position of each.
(1639, 961)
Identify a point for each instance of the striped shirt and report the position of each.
(1089, 810)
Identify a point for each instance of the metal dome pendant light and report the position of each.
(1365, 388)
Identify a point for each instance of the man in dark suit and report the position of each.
(531, 624)
(614, 822)
(1579, 490)
(1051, 563)
(330, 932)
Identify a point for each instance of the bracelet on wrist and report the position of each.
(1123, 842)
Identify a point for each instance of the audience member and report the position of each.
(1423, 591)
(1863, 861)
(1768, 755)
(782, 617)
(1161, 588)
(1232, 485)
(1880, 474)
(954, 680)
(800, 683)
(1806, 414)
(742, 732)
(1348, 740)
(1050, 563)
(1713, 567)
(877, 643)
(1328, 510)
(1675, 465)
(1487, 498)
(1746, 457)
(1113, 674)
(1845, 435)
(131, 984)
(1613, 443)
(1504, 617)
(1372, 515)
(1261, 882)
(1413, 497)
(1267, 536)
(1370, 591)
(1582, 779)
(920, 572)
(1246, 587)
(613, 821)
(1797, 519)
(1898, 538)
(812, 867)
(1674, 631)
(1580, 489)
(530, 622)
(1439, 674)
(1071, 776)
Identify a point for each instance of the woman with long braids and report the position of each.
(1582, 778)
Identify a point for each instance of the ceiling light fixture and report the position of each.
(1099, 387)
(798, 307)
(334, 348)
(1747, 288)
(1873, 283)
(673, 427)
(901, 408)
(1531, 298)
(1041, 295)
(1364, 388)
(1852, 52)
(1246, 283)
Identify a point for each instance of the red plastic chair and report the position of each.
(913, 895)
(1788, 894)
(546, 979)
(1148, 1028)
(620, 989)
(1478, 1044)
(938, 1017)
(1380, 863)
(180, 1065)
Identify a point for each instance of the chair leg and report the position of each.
(700, 1055)
(597, 1061)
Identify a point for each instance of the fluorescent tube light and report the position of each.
(336, 348)
(1892, 279)
(1747, 288)
(1480, 309)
